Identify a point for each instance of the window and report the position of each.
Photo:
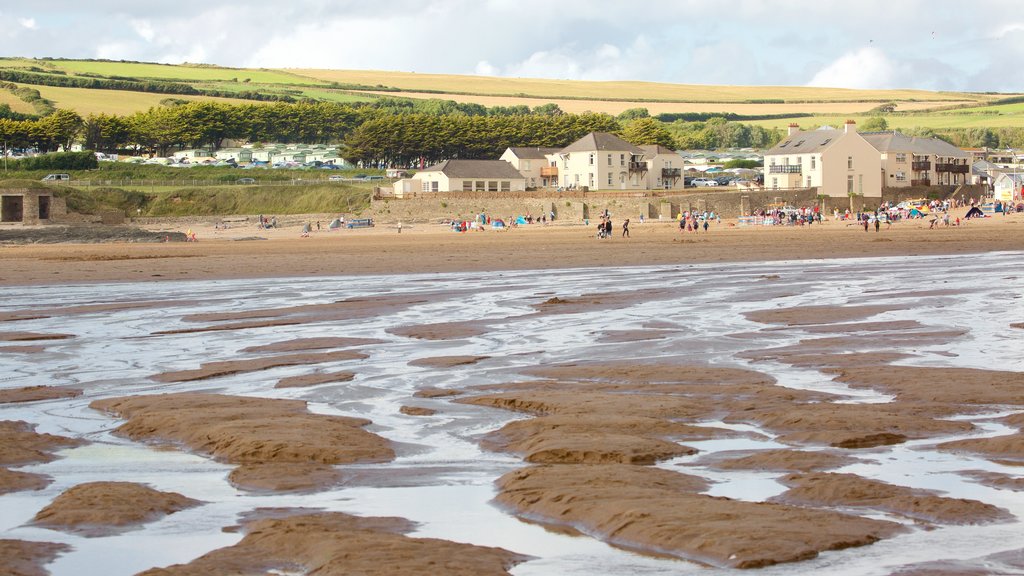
(813, 162)
(860, 184)
(492, 185)
(622, 177)
(609, 175)
(849, 162)
(901, 176)
(797, 145)
(784, 144)
(591, 159)
(590, 180)
(775, 183)
(425, 185)
(808, 181)
(479, 185)
(901, 158)
(506, 185)
(467, 185)
(609, 159)
(826, 141)
(849, 184)
(622, 159)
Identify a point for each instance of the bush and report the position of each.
(59, 161)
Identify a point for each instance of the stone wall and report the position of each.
(577, 207)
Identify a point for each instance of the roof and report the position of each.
(475, 169)
(651, 150)
(806, 142)
(898, 142)
(602, 141)
(528, 153)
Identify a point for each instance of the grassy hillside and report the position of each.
(915, 108)
(635, 91)
(16, 104)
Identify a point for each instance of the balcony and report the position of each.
(785, 169)
(921, 166)
(920, 182)
(954, 168)
(549, 171)
(638, 166)
(671, 172)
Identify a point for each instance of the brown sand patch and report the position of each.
(850, 490)
(595, 302)
(285, 477)
(23, 558)
(36, 393)
(655, 510)
(228, 327)
(815, 314)
(1007, 448)
(846, 328)
(597, 438)
(336, 544)
(21, 444)
(305, 344)
(651, 373)
(31, 336)
(852, 425)
(229, 367)
(242, 430)
(447, 361)
(103, 508)
(315, 379)
(21, 349)
(779, 461)
(417, 411)
(1017, 325)
(954, 386)
(996, 480)
(439, 331)
(436, 393)
(803, 356)
(15, 481)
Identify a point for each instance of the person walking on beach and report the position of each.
(705, 226)
(877, 224)
(399, 226)
(625, 228)
(865, 223)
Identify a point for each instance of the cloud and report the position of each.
(866, 68)
(28, 23)
(144, 29)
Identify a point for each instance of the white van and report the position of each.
(53, 177)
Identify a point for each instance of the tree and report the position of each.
(633, 114)
(550, 109)
(648, 131)
(874, 124)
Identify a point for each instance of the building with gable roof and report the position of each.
(601, 161)
(664, 167)
(838, 162)
(534, 164)
(915, 161)
(463, 176)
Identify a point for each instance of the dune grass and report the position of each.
(260, 200)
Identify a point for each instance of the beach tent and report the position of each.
(335, 224)
(915, 213)
(520, 220)
(497, 224)
(974, 212)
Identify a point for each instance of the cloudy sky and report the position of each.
(930, 44)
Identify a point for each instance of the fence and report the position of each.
(196, 183)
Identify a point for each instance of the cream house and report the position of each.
(664, 167)
(601, 161)
(463, 176)
(837, 162)
(913, 161)
(533, 164)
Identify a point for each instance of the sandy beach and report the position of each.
(245, 251)
(532, 401)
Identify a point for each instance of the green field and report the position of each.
(1001, 116)
(184, 72)
(87, 101)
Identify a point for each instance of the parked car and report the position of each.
(246, 180)
(704, 182)
(335, 178)
(56, 177)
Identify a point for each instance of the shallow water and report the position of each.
(442, 479)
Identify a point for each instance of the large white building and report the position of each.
(839, 163)
(495, 176)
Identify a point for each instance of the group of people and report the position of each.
(266, 223)
(694, 221)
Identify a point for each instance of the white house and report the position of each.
(837, 162)
(494, 176)
(1009, 187)
(534, 164)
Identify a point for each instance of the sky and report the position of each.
(974, 45)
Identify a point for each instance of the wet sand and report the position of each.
(616, 449)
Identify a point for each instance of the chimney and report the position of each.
(794, 128)
(850, 125)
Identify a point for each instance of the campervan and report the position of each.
(56, 177)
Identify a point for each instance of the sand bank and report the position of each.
(104, 508)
